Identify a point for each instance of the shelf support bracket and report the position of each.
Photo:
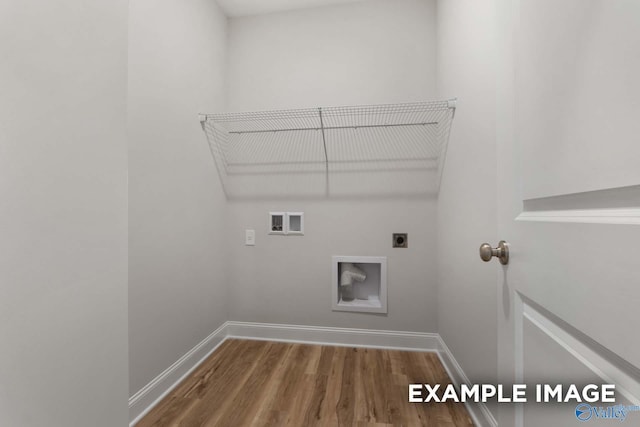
(202, 118)
(326, 156)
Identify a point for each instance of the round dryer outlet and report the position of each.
(400, 240)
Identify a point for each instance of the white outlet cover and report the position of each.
(250, 237)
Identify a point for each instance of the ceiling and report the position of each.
(235, 8)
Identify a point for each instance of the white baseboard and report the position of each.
(151, 394)
(479, 412)
(145, 399)
(415, 341)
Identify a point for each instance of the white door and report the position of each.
(568, 126)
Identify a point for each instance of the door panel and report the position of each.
(567, 125)
(577, 79)
(585, 273)
(547, 357)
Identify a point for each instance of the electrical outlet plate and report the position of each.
(250, 237)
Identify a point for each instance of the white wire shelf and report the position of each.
(331, 151)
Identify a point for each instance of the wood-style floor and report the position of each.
(263, 383)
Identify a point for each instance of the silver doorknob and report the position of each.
(501, 252)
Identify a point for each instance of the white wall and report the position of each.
(371, 52)
(63, 213)
(286, 279)
(379, 51)
(467, 202)
(177, 284)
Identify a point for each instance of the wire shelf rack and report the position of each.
(326, 150)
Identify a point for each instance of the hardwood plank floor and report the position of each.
(264, 383)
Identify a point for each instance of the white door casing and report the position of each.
(568, 146)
